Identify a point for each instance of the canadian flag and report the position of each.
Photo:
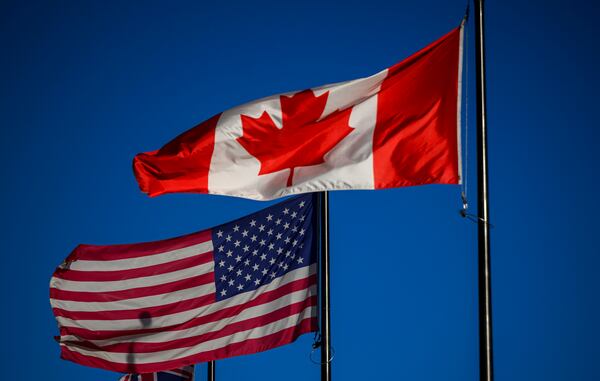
(399, 127)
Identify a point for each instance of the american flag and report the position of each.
(182, 374)
(239, 288)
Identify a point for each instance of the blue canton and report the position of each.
(255, 250)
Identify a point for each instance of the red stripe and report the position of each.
(182, 165)
(136, 250)
(256, 322)
(415, 138)
(264, 343)
(111, 296)
(263, 298)
(163, 268)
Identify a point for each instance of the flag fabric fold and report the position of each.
(238, 288)
(185, 373)
(399, 127)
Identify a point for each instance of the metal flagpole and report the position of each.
(211, 371)
(324, 288)
(486, 364)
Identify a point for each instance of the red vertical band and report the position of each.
(182, 165)
(415, 138)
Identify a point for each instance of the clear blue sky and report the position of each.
(87, 85)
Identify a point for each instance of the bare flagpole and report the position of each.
(211, 371)
(324, 287)
(486, 364)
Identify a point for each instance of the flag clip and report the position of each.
(465, 205)
(464, 212)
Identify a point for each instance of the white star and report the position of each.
(280, 264)
(255, 252)
(288, 253)
(261, 228)
(270, 232)
(231, 282)
(294, 243)
(279, 251)
(287, 239)
(222, 264)
(264, 271)
(286, 211)
(221, 248)
(252, 223)
(223, 292)
(247, 262)
(246, 248)
(263, 256)
(271, 246)
(301, 245)
(272, 260)
(239, 273)
(302, 218)
(253, 238)
(223, 278)
(301, 204)
(273, 274)
(247, 277)
(240, 287)
(245, 233)
(278, 221)
(257, 281)
(230, 268)
(229, 253)
(237, 243)
(286, 225)
(300, 259)
(302, 231)
(238, 258)
(219, 234)
(262, 242)
(270, 217)
(228, 238)
(236, 228)
(278, 236)
(294, 229)
(285, 267)
(255, 267)
(294, 214)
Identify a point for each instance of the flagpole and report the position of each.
(211, 371)
(324, 288)
(486, 364)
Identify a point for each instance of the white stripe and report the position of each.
(182, 317)
(135, 303)
(148, 260)
(118, 285)
(249, 313)
(173, 354)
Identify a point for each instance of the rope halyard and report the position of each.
(463, 194)
(464, 212)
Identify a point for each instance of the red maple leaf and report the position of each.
(303, 139)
